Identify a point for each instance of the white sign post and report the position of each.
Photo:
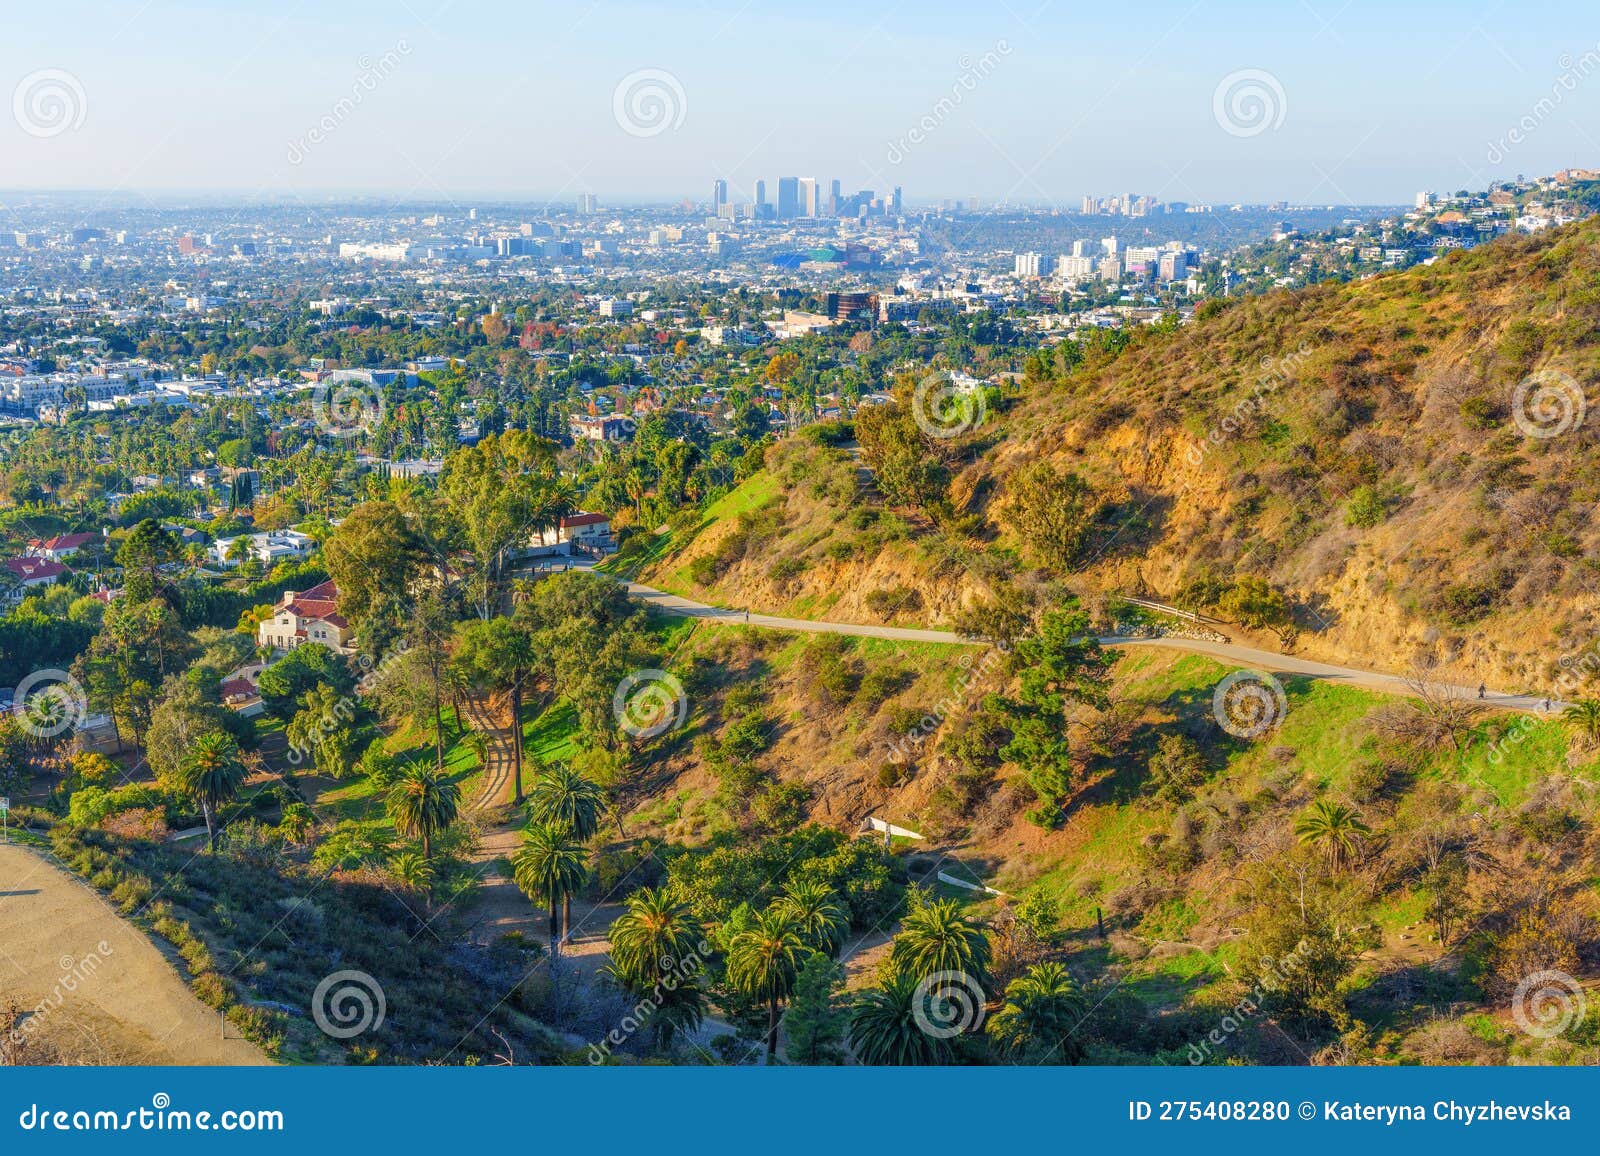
(5, 819)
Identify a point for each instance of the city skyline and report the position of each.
(474, 101)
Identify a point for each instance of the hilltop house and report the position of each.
(312, 616)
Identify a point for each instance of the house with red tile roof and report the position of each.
(308, 616)
(61, 547)
(30, 573)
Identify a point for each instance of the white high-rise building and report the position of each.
(1027, 264)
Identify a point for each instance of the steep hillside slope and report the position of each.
(1407, 460)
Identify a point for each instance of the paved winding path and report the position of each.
(1226, 652)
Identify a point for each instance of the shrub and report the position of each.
(892, 600)
(879, 684)
(703, 570)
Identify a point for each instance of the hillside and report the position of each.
(1403, 459)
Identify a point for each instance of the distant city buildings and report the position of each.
(788, 198)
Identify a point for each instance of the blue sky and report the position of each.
(1000, 98)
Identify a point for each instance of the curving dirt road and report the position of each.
(499, 763)
(1227, 652)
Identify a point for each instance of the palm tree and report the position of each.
(422, 803)
(1334, 826)
(550, 867)
(563, 797)
(653, 941)
(412, 873)
(810, 905)
(763, 961)
(884, 1030)
(654, 927)
(1583, 717)
(212, 776)
(1041, 1013)
(937, 937)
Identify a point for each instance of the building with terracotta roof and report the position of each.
(61, 547)
(311, 616)
(29, 573)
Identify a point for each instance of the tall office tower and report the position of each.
(761, 196)
(1109, 245)
(588, 203)
(719, 196)
(1088, 207)
(810, 197)
(835, 201)
(788, 197)
(894, 202)
(1027, 264)
(1080, 248)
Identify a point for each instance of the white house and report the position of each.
(269, 548)
(579, 533)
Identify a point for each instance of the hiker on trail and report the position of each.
(1481, 689)
(747, 615)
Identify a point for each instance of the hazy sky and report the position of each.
(1327, 102)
